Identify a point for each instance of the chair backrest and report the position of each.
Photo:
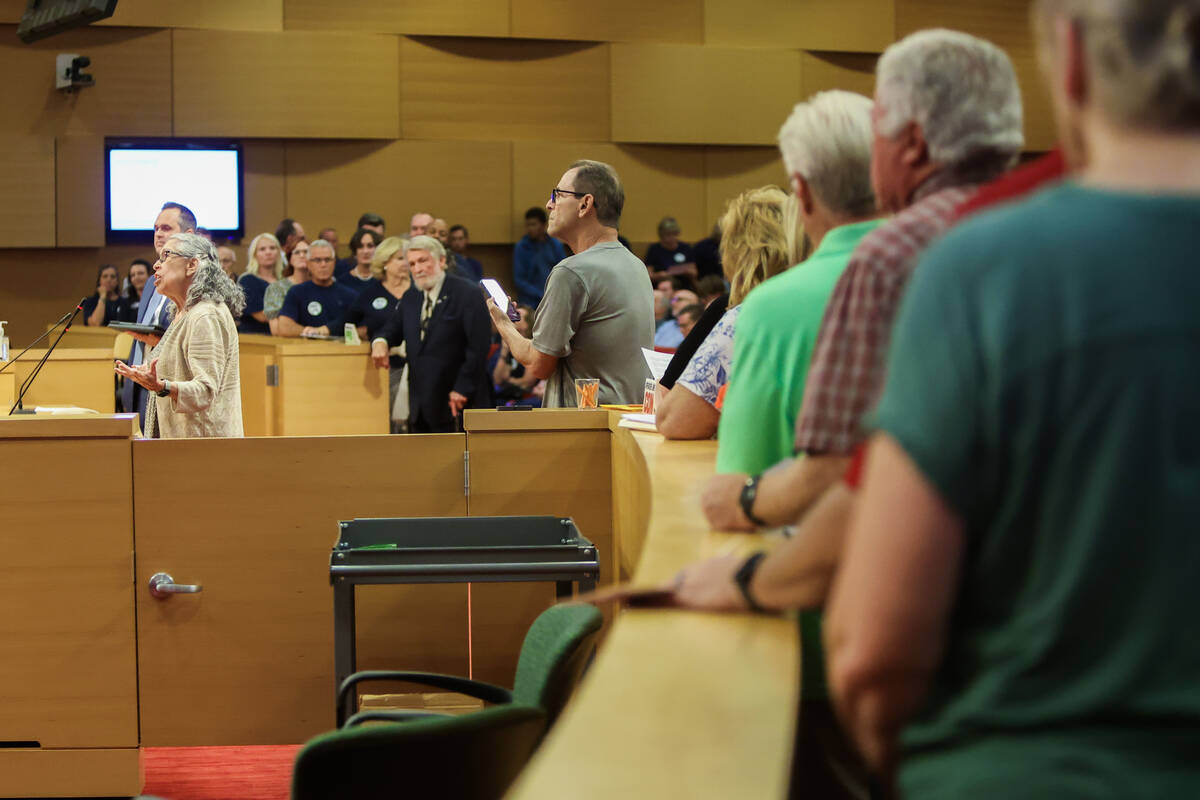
(122, 344)
(555, 652)
(468, 757)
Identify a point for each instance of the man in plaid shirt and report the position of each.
(947, 118)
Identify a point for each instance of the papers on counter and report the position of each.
(657, 362)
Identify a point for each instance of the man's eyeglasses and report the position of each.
(554, 193)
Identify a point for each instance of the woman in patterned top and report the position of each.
(760, 239)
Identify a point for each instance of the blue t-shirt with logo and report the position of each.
(313, 306)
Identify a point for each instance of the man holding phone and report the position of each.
(598, 310)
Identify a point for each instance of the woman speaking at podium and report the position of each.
(193, 370)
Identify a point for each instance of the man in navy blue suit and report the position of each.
(447, 331)
(174, 218)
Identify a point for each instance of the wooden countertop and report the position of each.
(678, 703)
(57, 426)
(291, 346)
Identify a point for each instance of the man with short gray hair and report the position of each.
(318, 306)
(826, 148)
(598, 311)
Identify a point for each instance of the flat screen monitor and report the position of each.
(142, 174)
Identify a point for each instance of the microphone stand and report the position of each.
(70, 318)
(49, 331)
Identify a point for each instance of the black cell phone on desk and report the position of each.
(501, 299)
(134, 327)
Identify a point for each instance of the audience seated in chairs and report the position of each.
(760, 241)
(139, 273)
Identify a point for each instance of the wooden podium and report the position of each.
(306, 387)
(70, 721)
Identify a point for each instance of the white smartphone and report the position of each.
(500, 298)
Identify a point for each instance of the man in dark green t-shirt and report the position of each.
(1014, 616)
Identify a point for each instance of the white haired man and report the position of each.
(947, 118)
(826, 148)
(443, 324)
(598, 310)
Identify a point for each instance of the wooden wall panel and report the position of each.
(731, 170)
(132, 95)
(26, 191)
(701, 95)
(79, 192)
(318, 85)
(223, 15)
(11, 10)
(1006, 24)
(850, 25)
(611, 21)
(658, 181)
(417, 17)
(265, 189)
(495, 89)
(37, 286)
(467, 182)
(854, 72)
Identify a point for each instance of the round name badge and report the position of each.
(379, 303)
(679, 258)
(314, 308)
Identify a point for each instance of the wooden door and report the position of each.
(249, 660)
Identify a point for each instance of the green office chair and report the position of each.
(474, 755)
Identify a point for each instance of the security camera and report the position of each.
(69, 74)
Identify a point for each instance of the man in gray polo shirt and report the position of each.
(598, 310)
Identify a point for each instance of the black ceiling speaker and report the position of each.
(44, 18)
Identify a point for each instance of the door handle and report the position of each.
(163, 586)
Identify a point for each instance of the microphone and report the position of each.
(70, 314)
(69, 318)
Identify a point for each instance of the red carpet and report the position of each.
(220, 773)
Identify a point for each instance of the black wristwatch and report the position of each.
(747, 497)
(743, 577)
(165, 391)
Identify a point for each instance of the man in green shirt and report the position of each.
(1014, 614)
(826, 147)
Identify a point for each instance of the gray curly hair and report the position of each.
(209, 281)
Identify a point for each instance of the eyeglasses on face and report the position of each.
(555, 192)
(165, 254)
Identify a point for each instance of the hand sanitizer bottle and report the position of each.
(3, 342)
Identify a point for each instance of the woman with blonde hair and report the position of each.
(760, 239)
(265, 264)
(378, 302)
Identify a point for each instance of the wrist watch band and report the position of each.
(743, 577)
(165, 391)
(747, 497)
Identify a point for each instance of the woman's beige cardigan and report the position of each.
(198, 355)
